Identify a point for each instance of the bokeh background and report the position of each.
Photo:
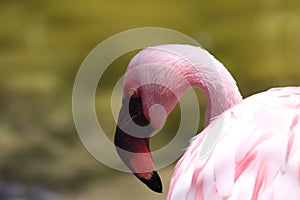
(42, 44)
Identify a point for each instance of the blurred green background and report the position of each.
(42, 44)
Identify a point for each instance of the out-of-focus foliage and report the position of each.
(42, 44)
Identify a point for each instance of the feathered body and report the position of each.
(256, 157)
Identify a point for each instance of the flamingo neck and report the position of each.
(219, 87)
(199, 68)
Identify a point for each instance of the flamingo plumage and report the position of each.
(257, 154)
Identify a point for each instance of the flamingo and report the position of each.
(257, 154)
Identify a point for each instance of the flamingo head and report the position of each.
(142, 113)
(132, 141)
(148, 97)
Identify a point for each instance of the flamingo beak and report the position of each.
(134, 151)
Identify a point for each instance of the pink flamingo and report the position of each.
(256, 156)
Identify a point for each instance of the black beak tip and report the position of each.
(154, 183)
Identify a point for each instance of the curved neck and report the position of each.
(219, 87)
(199, 68)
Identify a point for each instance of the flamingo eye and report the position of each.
(133, 92)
